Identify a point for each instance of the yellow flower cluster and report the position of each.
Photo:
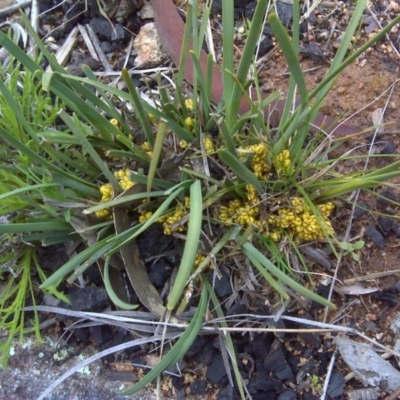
(123, 176)
(106, 195)
(183, 144)
(145, 215)
(296, 220)
(107, 191)
(179, 213)
(189, 104)
(242, 213)
(301, 222)
(283, 164)
(114, 122)
(147, 148)
(189, 122)
(208, 145)
(259, 163)
(199, 259)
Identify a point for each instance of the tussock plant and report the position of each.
(84, 162)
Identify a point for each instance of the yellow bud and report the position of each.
(189, 104)
(146, 146)
(189, 122)
(183, 144)
(114, 122)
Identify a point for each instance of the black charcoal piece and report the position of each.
(285, 12)
(88, 299)
(159, 272)
(336, 384)
(275, 359)
(385, 224)
(216, 371)
(313, 51)
(360, 209)
(228, 393)
(263, 382)
(287, 395)
(388, 296)
(223, 286)
(390, 148)
(198, 387)
(373, 234)
(387, 194)
(205, 356)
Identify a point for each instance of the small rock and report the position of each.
(385, 224)
(150, 52)
(119, 34)
(102, 28)
(146, 11)
(368, 366)
(285, 12)
(322, 291)
(216, 371)
(228, 393)
(287, 395)
(336, 384)
(106, 47)
(205, 356)
(264, 383)
(196, 346)
(390, 148)
(259, 347)
(387, 194)
(198, 387)
(360, 209)
(223, 286)
(397, 286)
(88, 299)
(373, 234)
(159, 272)
(388, 296)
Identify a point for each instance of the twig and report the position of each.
(387, 35)
(328, 375)
(370, 276)
(35, 26)
(65, 50)
(107, 66)
(88, 42)
(14, 8)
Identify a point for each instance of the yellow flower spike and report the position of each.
(235, 204)
(152, 118)
(189, 104)
(275, 236)
(183, 144)
(114, 122)
(102, 214)
(189, 122)
(287, 164)
(126, 183)
(146, 146)
(208, 145)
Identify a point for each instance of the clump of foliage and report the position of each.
(82, 166)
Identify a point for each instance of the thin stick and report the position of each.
(14, 8)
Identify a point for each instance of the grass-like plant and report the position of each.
(77, 167)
